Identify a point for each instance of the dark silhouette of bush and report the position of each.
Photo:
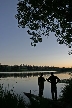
(8, 99)
(67, 92)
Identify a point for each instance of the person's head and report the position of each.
(41, 74)
(52, 73)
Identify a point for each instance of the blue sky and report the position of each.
(15, 47)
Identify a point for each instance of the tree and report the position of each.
(44, 16)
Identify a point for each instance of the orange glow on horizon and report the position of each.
(41, 64)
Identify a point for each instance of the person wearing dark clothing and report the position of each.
(53, 80)
(41, 81)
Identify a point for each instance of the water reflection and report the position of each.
(4, 75)
(30, 74)
(24, 82)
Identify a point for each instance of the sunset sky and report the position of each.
(15, 43)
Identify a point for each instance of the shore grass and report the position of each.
(9, 100)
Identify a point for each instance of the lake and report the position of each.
(24, 82)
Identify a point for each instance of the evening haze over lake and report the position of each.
(15, 43)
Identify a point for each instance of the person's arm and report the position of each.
(49, 79)
(57, 79)
(44, 79)
(38, 81)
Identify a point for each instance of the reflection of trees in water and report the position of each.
(22, 75)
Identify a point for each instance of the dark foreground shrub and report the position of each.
(67, 93)
(9, 100)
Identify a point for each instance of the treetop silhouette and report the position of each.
(44, 16)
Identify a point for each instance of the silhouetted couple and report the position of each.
(53, 80)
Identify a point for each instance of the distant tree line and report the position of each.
(18, 68)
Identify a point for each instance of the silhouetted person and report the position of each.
(41, 84)
(53, 80)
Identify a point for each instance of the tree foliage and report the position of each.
(45, 16)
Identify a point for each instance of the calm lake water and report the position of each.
(21, 82)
